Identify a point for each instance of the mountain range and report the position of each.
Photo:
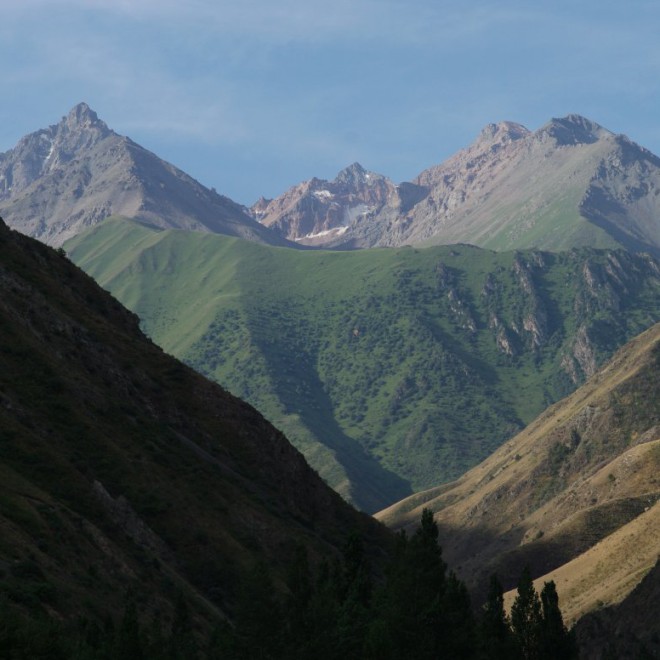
(570, 183)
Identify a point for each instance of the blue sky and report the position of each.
(254, 96)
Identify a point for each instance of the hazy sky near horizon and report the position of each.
(252, 97)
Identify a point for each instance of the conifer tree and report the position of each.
(411, 607)
(182, 644)
(556, 641)
(495, 637)
(457, 621)
(355, 598)
(323, 614)
(297, 605)
(128, 642)
(356, 574)
(526, 617)
(258, 616)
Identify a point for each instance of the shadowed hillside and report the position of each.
(123, 471)
(628, 630)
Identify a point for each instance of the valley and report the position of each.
(389, 369)
(476, 349)
(145, 512)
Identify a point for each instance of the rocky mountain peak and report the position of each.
(83, 120)
(318, 212)
(502, 132)
(352, 175)
(261, 204)
(572, 129)
(82, 114)
(45, 151)
(79, 172)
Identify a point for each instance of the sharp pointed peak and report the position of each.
(82, 116)
(354, 167)
(82, 111)
(355, 173)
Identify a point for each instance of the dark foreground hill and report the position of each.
(122, 471)
(390, 369)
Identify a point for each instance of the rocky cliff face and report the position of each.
(60, 180)
(318, 211)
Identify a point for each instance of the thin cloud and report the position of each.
(379, 81)
(306, 21)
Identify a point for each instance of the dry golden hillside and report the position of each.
(574, 495)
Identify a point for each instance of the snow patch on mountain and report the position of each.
(335, 231)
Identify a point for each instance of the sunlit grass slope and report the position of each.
(576, 495)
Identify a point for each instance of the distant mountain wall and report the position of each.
(571, 183)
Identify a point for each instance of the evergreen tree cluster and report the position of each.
(417, 611)
(40, 637)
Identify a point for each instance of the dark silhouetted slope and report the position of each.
(123, 471)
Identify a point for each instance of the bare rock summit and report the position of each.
(60, 180)
(317, 211)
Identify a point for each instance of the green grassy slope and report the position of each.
(390, 368)
(550, 218)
